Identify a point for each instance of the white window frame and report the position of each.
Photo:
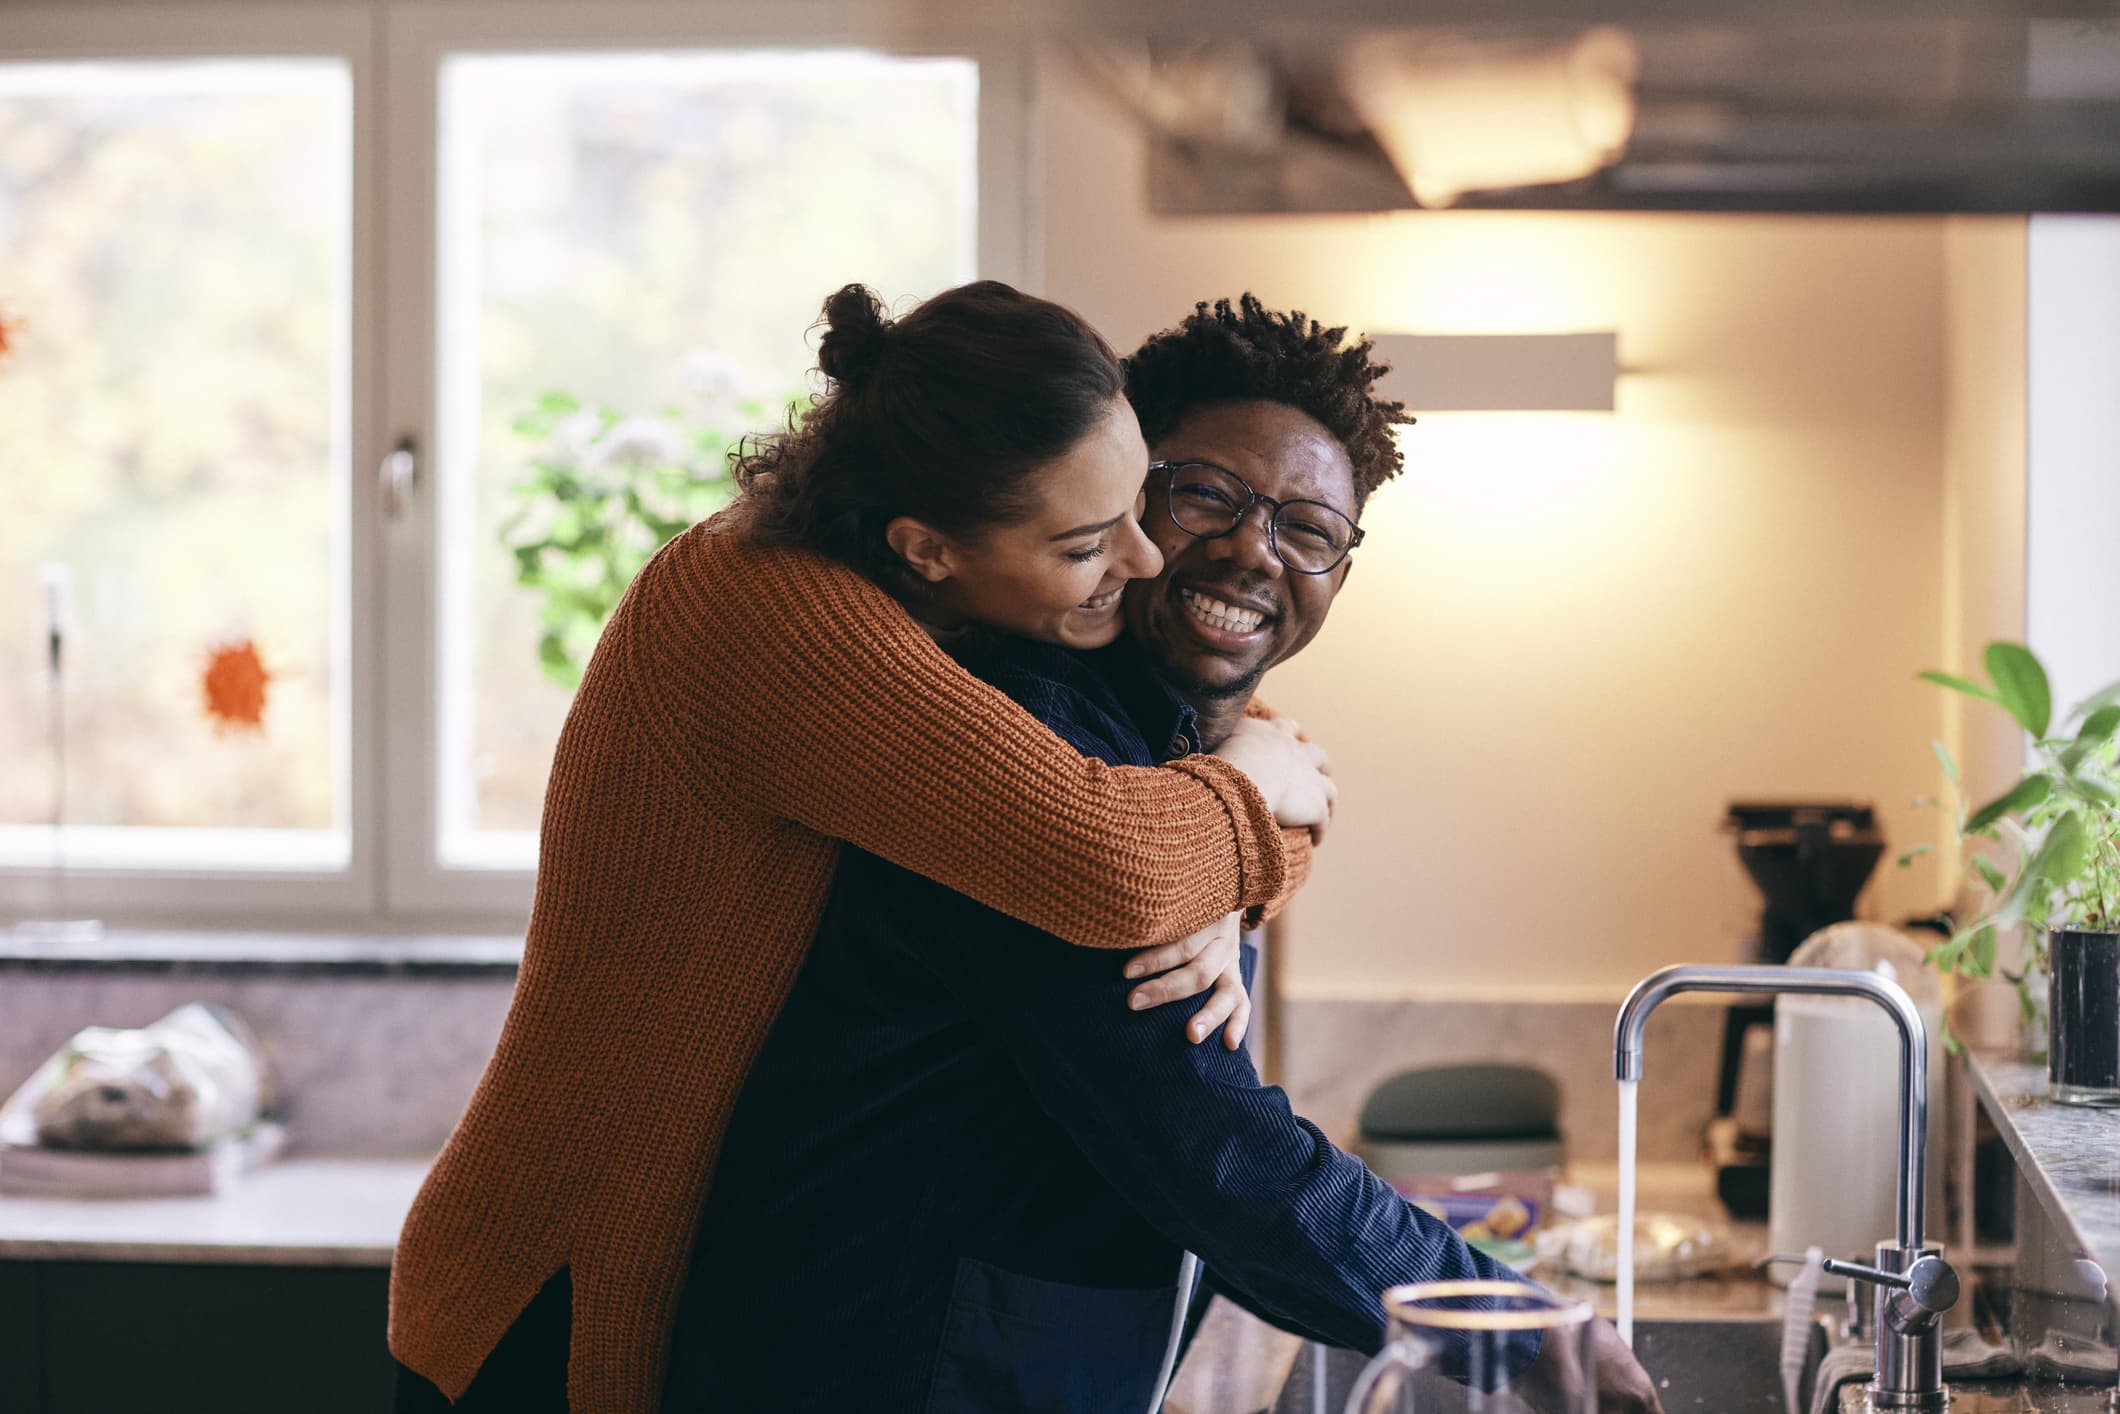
(347, 32)
(394, 50)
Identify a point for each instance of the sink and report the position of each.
(1728, 1365)
(1722, 1366)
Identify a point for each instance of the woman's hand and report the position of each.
(1291, 773)
(1208, 961)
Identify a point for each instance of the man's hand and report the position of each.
(1208, 961)
(1623, 1386)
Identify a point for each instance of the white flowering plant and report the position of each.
(604, 491)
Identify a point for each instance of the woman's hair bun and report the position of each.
(855, 335)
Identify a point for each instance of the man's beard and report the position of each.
(1199, 691)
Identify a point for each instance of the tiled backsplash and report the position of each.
(381, 1061)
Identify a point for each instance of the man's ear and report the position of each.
(928, 551)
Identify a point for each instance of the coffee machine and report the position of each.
(1809, 861)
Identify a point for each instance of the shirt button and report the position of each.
(1179, 746)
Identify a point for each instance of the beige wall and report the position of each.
(1984, 481)
(1572, 638)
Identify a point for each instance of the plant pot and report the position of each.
(2083, 1016)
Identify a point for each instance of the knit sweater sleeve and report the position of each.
(796, 689)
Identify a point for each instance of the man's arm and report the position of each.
(1208, 1155)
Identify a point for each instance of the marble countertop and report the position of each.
(2069, 1155)
(304, 1211)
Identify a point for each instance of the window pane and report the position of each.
(649, 236)
(173, 281)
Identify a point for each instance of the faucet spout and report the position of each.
(1653, 990)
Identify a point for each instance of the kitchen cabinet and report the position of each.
(83, 1337)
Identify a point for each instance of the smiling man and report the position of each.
(1267, 443)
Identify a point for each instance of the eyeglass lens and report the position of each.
(1207, 500)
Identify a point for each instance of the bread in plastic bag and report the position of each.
(1666, 1247)
(193, 1078)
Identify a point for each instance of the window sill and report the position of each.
(281, 954)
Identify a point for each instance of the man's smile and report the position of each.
(1224, 619)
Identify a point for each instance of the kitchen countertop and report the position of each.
(2068, 1154)
(326, 1211)
(301, 1211)
(310, 1210)
(344, 1211)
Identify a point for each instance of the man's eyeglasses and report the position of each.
(1211, 501)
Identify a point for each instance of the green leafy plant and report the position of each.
(2061, 821)
(602, 494)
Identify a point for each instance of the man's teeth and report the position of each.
(1217, 614)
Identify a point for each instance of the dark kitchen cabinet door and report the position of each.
(21, 1339)
(119, 1336)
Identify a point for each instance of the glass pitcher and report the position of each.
(1482, 1347)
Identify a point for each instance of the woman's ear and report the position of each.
(927, 550)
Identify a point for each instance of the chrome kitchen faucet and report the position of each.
(1914, 1285)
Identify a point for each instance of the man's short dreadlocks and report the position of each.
(1224, 355)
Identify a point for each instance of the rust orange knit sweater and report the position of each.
(745, 711)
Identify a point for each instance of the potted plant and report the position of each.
(2061, 822)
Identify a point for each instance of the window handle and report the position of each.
(398, 477)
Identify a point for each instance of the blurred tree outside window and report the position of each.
(173, 410)
(634, 248)
(630, 252)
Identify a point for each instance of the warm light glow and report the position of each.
(1460, 116)
(1493, 272)
(1530, 482)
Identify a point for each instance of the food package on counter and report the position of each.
(1477, 1146)
(194, 1078)
(1666, 1247)
(1498, 1213)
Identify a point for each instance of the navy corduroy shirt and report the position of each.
(962, 1171)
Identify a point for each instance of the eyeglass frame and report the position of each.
(1169, 469)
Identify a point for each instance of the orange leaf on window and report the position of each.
(235, 687)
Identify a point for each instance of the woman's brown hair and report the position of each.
(942, 415)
